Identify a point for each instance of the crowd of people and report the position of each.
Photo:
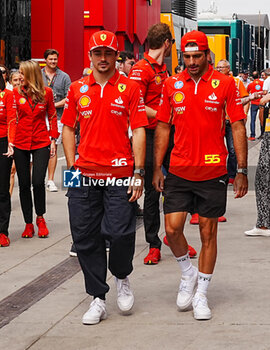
(139, 129)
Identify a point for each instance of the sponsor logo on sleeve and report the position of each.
(215, 83)
(84, 101)
(179, 85)
(178, 97)
(84, 89)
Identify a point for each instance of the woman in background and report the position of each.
(7, 118)
(33, 101)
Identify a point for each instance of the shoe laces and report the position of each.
(124, 287)
(200, 301)
(41, 223)
(97, 305)
(185, 285)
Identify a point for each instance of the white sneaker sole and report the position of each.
(127, 309)
(206, 316)
(94, 321)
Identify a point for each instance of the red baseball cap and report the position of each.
(103, 39)
(196, 37)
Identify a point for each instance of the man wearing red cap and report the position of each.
(194, 102)
(150, 73)
(101, 206)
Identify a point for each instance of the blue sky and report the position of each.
(228, 7)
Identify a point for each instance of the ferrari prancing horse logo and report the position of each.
(103, 37)
(122, 87)
(215, 83)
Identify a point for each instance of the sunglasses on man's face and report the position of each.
(3, 71)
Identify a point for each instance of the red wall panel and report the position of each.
(110, 15)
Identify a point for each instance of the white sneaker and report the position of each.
(258, 232)
(187, 290)
(51, 186)
(201, 310)
(96, 312)
(125, 297)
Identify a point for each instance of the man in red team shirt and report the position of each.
(150, 73)
(105, 103)
(194, 102)
(256, 86)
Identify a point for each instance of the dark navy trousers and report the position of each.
(99, 213)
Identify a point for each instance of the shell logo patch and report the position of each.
(84, 101)
(2, 94)
(122, 87)
(215, 83)
(84, 89)
(178, 97)
(22, 101)
(158, 79)
(103, 37)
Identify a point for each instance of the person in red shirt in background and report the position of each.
(194, 102)
(33, 101)
(7, 118)
(150, 73)
(255, 87)
(102, 206)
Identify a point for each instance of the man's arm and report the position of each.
(138, 145)
(68, 136)
(60, 104)
(240, 146)
(162, 136)
(150, 112)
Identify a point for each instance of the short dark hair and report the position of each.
(158, 34)
(2, 82)
(255, 74)
(124, 55)
(50, 52)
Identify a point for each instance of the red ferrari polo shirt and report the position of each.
(198, 112)
(255, 86)
(31, 130)
(150, 76)
(7, 114)
(104, 113)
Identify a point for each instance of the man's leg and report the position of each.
(253, 115)
(151, 214)
(85, 215)
(174, 226)
(119, 226)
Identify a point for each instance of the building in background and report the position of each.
(181, 16)
(238, 38)
(29, 27)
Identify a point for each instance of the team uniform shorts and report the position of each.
(207, 198)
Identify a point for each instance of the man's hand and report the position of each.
(240, 185)
(158, 180)
(136, 189)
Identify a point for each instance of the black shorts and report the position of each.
(207, 198)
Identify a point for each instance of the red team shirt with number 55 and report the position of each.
(198, 112)
(104, 114)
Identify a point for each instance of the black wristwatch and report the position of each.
(141, 172)
(243, 171)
